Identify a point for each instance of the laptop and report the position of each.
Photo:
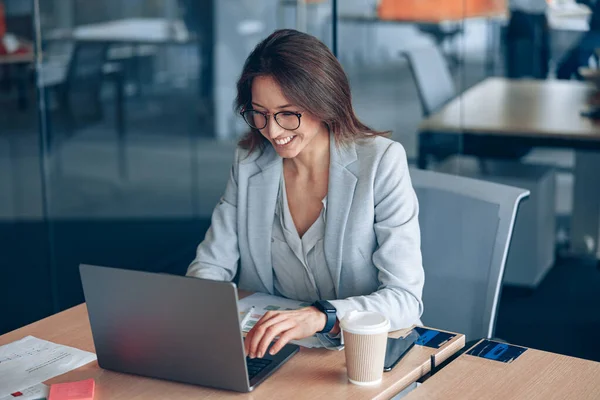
(172, 327)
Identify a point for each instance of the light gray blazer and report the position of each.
(372, 237)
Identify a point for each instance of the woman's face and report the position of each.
(268, 98)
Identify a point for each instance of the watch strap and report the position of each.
(329, 310)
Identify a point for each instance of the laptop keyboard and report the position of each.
(255, 365)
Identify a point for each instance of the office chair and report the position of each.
(466, 228)
(434, 82)
(441, 35)
(75, 77)
(436, 88)
(76, 82)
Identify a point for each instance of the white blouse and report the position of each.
(299, 268)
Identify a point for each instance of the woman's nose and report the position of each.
(273, 129)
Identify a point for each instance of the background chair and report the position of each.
(445, 34)
(432, 77)
(74, 77)
(466, 228)
(76, 83)
(435, 87)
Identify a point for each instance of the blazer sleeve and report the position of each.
(398, 254)
(218, 254)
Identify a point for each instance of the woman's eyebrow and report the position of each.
(285, 106)
(279, 107)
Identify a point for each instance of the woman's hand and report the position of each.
(288, 325)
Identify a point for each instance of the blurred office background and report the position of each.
(117, 132)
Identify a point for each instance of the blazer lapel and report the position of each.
(342, 184)
(262, 197)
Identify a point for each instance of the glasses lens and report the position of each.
(255, 119)
(288, 120)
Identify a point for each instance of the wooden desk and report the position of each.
(534, 375)
(531, 113)
(312, 373)
(523, 108)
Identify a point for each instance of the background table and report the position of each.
(534, 113)
(21, 58)
(128, 30)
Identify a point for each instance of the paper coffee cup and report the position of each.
(365, 340)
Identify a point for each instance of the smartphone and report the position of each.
(397, 348)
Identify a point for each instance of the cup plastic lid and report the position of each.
(364, 322)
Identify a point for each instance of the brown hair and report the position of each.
(309, 76)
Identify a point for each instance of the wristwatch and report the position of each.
(330, 312)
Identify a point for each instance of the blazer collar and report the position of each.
(263, 188)
(340, 195)
(343, 154)
(267, 158)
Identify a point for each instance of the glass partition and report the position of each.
(118, 133)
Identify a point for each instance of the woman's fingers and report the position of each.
(248, 340)
(257, 332)
(271, 333)
(288, 325)
(284, 339)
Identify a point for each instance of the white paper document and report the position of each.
(265, 302)
(36, 392)
(30, 361)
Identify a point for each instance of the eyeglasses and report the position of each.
(288, 120)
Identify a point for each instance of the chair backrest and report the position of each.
(87, 62)
(432, 77)
(466, 227)
(84, 81)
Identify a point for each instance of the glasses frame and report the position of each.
(267, 115)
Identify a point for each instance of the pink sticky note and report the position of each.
(81, 390)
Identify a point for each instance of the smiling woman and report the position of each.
(303, 74)
(293, 130)
(319, 207)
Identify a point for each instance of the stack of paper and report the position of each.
(30, 361)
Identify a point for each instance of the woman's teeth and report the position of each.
(284, 141)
